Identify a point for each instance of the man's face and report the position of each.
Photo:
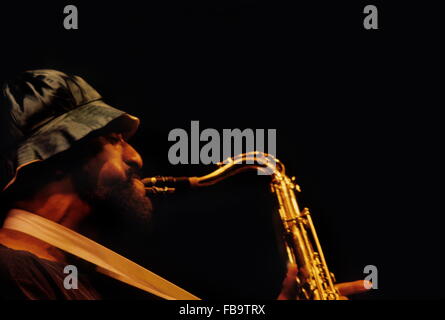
(109, 180)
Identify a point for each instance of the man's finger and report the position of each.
(289, 290)
(354, 287)
(292, 270)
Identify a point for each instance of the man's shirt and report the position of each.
(24, 276)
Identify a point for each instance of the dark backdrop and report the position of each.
(345, 102)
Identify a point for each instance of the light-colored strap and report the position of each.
(107, 261)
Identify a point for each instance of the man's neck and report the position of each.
(58, 202)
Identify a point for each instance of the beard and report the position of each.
(121, 214)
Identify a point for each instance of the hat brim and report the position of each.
(62, 132)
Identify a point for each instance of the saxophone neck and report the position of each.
(265, 164)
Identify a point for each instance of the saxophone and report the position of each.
(314, 280)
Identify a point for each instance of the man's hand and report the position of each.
(289, 291)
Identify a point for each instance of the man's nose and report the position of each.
(131, 157)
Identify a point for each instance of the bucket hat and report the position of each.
(45, 112)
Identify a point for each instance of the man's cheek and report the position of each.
(111, 173)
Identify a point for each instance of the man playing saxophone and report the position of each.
(65, 159)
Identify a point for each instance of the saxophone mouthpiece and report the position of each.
(165, 185)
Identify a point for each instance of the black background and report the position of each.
(353, 111)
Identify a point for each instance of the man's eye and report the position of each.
(113, 139)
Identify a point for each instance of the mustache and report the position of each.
(134, 173)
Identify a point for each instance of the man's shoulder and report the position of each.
(23, 275)
(7, 253)
(16, 259)
(19, 272)
(20, 264)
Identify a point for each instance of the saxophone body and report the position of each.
(314, 280)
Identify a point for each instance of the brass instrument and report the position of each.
(314, 280)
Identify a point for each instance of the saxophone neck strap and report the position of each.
(107, 261)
